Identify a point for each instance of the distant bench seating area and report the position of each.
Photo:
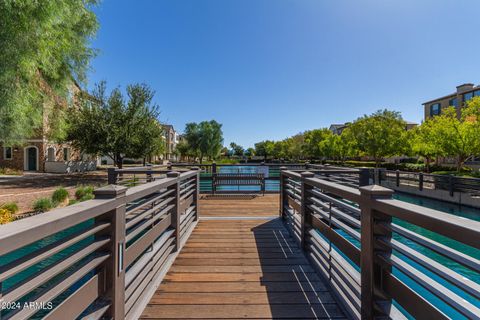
(237, 181)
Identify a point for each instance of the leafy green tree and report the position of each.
(211, 139)
(45, 45)
(237, 149)
(339, 147)
(459, 138)
(115, 127)
(294, 147)
(264, 148)
(313, 138)
(250, 152)
(379, 135)
(425, 141)
(192, 138)
(184, 150)
(205, 139)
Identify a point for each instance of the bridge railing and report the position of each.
(134, 176)
(421, 181)
(99, 258)
(383, 257)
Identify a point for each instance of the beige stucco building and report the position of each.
(457, 99)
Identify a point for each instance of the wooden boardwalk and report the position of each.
(241, 268)
(244, 206)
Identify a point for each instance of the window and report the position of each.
(66, 154)
(467, 96)
(435, 109)
(476, 93)
(50, 154)
(453, 102)
(7, 153)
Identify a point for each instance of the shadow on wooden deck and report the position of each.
(242, 268)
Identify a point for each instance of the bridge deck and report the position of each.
(241, 268)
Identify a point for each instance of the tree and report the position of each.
(117, 128)
(184, 149)
(459, 138)
(313, 138)
(211, 139)
(192, 138)
(250, 152)
(237, 149)
(294, 147)
(45, 47)
(204, 138)
(264, 148)
(339, 147)
(425, 142)
(379, 135)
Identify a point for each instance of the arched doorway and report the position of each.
(31, 158)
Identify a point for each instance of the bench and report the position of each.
(238, 180)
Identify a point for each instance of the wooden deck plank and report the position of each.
(243, 298)
(242, 269)
(223, 311)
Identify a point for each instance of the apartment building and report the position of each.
(457, 99)
(171, 141)
(38, 153)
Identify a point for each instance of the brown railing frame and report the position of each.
(111, 254)
(376, 285)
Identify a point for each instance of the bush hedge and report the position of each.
(6, 216)
(59, 196)
(43, 205)
(10, 206)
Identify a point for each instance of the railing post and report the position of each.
(420, 181)
(115, 266)
(214, 172)
(364, 177)
(112, 175)
(214, 167)
(451, 184)
(176, 210)
(149, 173)
(397, 178)
(196, 194)
(372, 227)
(304, 210)
(283, 198)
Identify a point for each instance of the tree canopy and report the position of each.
(115, 126)
(379, 135)
(45, 47)
(204, 139)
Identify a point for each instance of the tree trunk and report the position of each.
(427, 165)
(119, 161)
(460, 161)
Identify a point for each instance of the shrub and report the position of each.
(10, 206)
(82, 191)
(10, 172)
(88, 196)
(72, 202)
(42, 205)
(6, 216)
(59, 196)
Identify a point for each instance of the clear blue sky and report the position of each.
(268, 69)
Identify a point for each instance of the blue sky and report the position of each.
(268, 69)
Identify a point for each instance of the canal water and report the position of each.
(460, 211)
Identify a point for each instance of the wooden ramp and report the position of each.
(241, 268)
